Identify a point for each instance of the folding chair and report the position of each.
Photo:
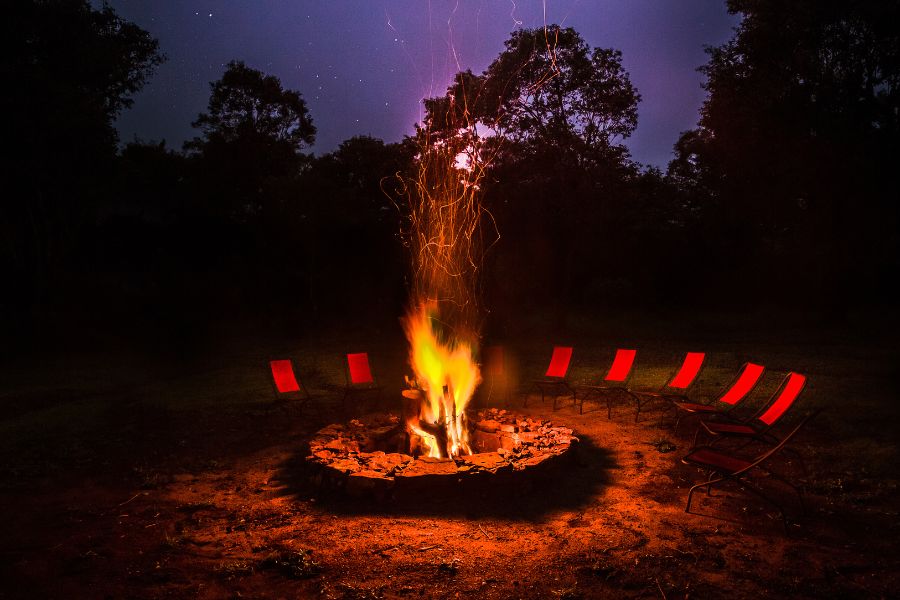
(359, 378)
(722, 467)
(757, 426)
(743, 383)
(616, 380)
(555, 377)
(286, 384)
(677, 386)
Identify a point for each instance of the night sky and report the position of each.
(364, 66)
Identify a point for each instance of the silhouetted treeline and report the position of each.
(785, 193)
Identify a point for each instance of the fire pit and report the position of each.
(372, 454)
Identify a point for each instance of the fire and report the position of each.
(443, 233)
(447, 375)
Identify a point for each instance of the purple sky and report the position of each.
(364, 66)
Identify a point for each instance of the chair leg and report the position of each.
(696, 436)
(678, 415)
(707, 484)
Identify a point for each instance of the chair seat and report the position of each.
(716, 428)
(708, 458)
(600, 388)
(695, 407)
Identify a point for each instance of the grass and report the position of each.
(77, 410)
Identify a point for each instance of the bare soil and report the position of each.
(155, 496)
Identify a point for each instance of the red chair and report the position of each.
(677, 386)
(616, 380)
(746, 380)
(554, 380)
(359, 378)
(722, 467)
(286, 384)
(757, 426)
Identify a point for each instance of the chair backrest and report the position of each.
(687, 374)
(747, 379)
(283, 375)
(782, 399)
(621, 366)
(559, 362)
(358, 368)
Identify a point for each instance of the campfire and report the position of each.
(371, 454)
(434, 440)
(446, 376)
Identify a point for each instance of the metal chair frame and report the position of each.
(351, 388)
(662, 393)
(604, 390)
(717, 474)
(760, 433)
(681, 407)
(300, 395)
(554, 384)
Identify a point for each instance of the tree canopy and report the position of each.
(799, 138)
(247, 105)
(70, 69)
(546, 89)
(253, 133)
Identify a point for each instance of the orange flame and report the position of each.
(447, 374)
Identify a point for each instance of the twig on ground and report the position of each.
(424, 548)
(659, 587)
(129, 500)
(486, 534)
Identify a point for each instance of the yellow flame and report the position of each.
(447, 374)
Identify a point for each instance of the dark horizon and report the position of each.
(365, 71)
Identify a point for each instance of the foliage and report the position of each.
(795, 150)
(548, 117)
(247, 105)
(70, 70)
(253, 134)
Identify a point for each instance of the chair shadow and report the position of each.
(568, 483)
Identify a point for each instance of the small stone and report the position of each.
(345, 465)
(389, 462)
(426, 466)
(487, 461)
(488, 425)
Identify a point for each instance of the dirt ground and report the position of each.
(152, 486)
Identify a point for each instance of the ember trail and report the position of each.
(442, 321)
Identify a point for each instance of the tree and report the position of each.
(70, 69)
(550, 115)
(349, 227)
(547, 88)
(246, 104)
(798, 139)
(253, 135)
